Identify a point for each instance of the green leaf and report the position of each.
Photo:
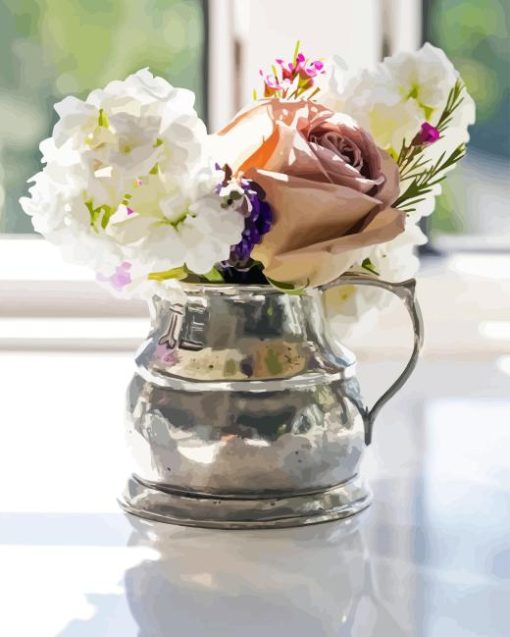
(289, 288)
(102, 119)
(367, 264)
(455, 99)
(213, 276)
(429, 111)
(175, 273)
(102, 214)
(409, 160)
(93, 213)
(296, 50)
(423, 182)
(107, 215)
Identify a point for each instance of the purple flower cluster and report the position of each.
(258, 220)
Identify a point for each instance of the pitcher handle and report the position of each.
(406, 293)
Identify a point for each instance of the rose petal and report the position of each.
(243, 135)
(390, 189)
(321, 263)
(307, 212)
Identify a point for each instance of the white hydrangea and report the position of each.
(373, 100)
(393, 100)
(426, 76)
(128, 180)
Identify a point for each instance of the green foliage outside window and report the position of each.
(52, 48)
(476, 37)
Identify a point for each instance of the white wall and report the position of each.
(246, 35)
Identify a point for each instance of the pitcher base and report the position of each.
(340, 501)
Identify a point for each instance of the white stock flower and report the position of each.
(393, 100)
(396, 260)
(128, 181)
(425, 76)
(46, 204)
(373, 100)
(354, 308)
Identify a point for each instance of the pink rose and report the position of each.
(330, 187)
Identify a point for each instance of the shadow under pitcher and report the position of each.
(245, 412)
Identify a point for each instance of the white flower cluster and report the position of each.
(401, 93)
(355, 309)
(392, 102)
(128, 188)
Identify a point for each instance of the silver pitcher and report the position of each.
(245, 412)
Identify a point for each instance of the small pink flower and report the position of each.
(272, 85)
(428, 134)
(120, 277)
(310, 71)
(287, 71)
(294, 78)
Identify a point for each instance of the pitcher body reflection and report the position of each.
(305, 582)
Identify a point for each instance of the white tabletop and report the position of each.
(430, 557)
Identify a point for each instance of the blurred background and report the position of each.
(66, 347)
(473, 209)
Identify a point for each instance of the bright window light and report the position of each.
(37, 260)
(495, 330)
(503, 364)
(480, 265)
(73, 328)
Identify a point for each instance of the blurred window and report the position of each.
(52, 48)
(473, 211)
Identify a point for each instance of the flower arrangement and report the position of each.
(326, 172)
